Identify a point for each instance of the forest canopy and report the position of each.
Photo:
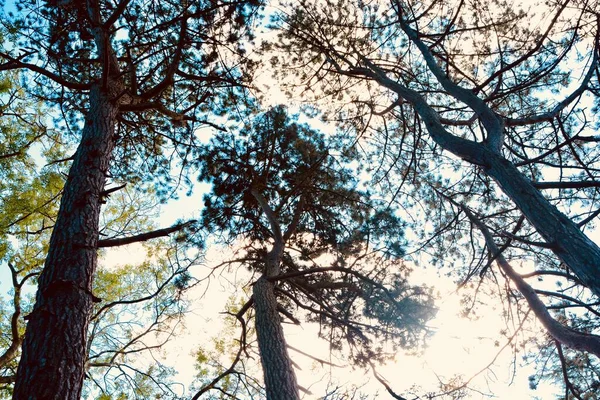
(449, 134)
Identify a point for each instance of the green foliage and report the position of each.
(221, 352)
(360, 297)
(142, 305)
(291, 164)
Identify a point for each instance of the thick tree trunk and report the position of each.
(54, 349)
(563, 236)
(280, 379)
(567, 241)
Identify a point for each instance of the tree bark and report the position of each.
(54, 348)
(567, 241)
(280, 378)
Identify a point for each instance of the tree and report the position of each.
(141, 303)
(316, 243)
(132, 81)
(483, 121)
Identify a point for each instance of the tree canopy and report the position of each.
(129, 83)
(464, 136)
(482, 123)
(332, 249)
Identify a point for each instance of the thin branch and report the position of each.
(231, 369)
(287, 314)
(563, 367)
(320, 360)
(385, 384)
(570, 337)
(116, 14)
(14, 63)
(296, 219)
(551, 114)
(8, 379)
(566, 184)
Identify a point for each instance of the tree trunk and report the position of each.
(280, 379)
(54, 349)
(563, 236)
(567, 241)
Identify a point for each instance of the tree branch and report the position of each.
(14, 63)
(116, 14)
(296, 219)
(172, 68)
(385, 384)
(565, 184)
(551, 114)
(231, 369)
(493, 123)
(8, 379)
(574, 339)
(143, 236)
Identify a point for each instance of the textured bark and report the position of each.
(54, 349)
(280, 379)
(567, 241)
(563, 236)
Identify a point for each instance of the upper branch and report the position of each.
(524, 57)
(271, 217)
(551, 114)
(491, 121)
(116, 14)
(173, 66)
(294, 224)
(469, 150)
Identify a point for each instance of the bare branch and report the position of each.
(574, 339)
(142, 237)
(566, 184)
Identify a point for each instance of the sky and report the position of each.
(458, 346)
